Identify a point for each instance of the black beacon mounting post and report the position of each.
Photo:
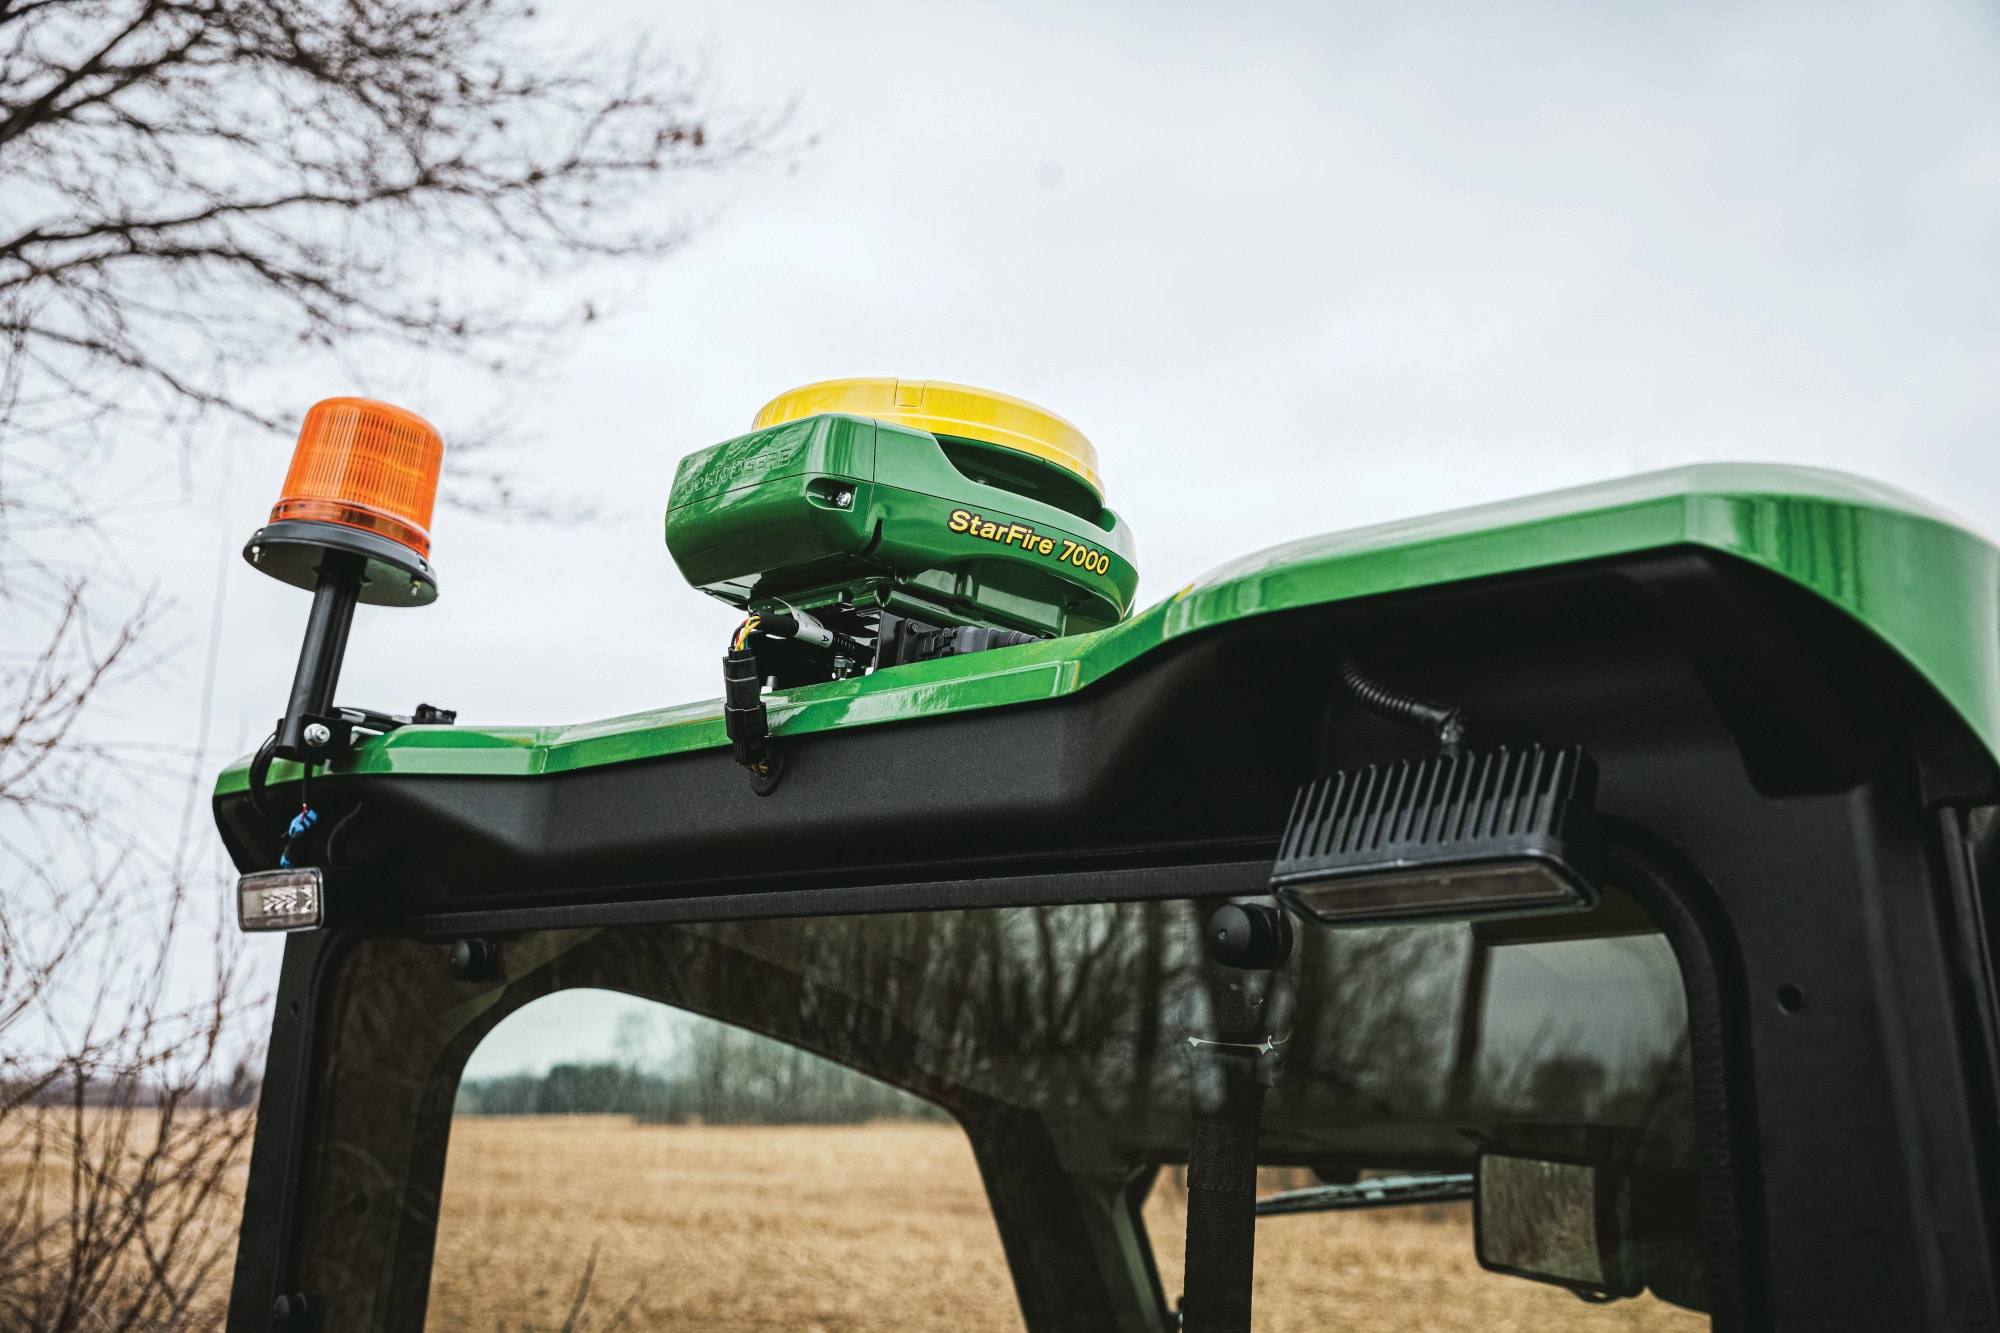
(344, 568)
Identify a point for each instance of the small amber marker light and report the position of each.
(367, 465)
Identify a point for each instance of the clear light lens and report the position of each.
(281, 899)
(1424, 893)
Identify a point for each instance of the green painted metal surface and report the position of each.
(1926, 585)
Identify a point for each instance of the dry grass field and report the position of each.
(880, 1227)
(102, 1213)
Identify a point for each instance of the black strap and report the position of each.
(1222, 1191)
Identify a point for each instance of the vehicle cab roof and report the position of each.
(1916, 577)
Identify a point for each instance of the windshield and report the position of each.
(1000, 1095)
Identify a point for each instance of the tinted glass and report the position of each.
(1063, 1042)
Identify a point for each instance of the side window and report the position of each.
(616, 1162)
(1548, 1038)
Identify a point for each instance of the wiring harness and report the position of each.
(744, 717)
(1444, 721)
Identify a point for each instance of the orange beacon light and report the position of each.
(368, 466)
(352, 525)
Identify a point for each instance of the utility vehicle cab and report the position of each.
(1572, 912)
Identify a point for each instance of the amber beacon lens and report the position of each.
(367, 465)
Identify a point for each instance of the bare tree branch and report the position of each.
(196, 188)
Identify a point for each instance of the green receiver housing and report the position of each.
(848, 518)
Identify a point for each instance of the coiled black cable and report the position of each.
(1443, 721)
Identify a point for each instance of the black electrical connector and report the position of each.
(743, 715)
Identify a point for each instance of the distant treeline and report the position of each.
(128, 1093)
(722, 1076)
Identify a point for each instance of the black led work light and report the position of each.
(1456, 837)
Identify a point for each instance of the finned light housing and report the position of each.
(1457, 837)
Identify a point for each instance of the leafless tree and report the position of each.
(123, 1104)
(196, 187)
(193, 194)
(121, 1160)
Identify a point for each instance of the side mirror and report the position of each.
(1553, 1220)
(1602, 1229)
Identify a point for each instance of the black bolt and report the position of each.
(1249, 935)
(475, 960)
(292, 1313)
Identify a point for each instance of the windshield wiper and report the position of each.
(1386, 1192)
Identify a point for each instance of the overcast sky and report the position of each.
(1292, 268)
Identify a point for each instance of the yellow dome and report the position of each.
(946, 409)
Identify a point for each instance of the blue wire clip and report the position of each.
(301, 821)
